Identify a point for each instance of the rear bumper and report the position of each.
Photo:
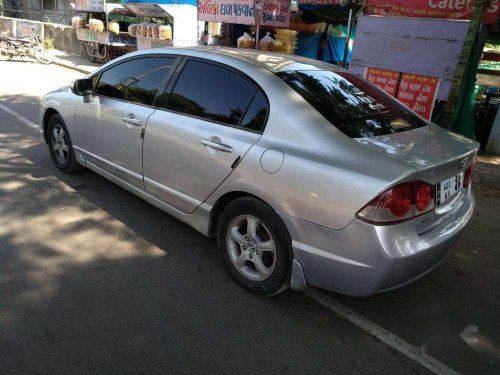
(363, 259)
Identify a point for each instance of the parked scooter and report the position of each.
(31, 47)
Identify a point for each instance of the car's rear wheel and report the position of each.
(255, 246)
(61, 147)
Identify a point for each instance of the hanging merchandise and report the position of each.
(267, 43)
(246, 41)
(288, 40)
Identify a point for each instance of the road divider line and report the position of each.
(21, 118)
(380, 333)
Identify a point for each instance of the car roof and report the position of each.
(272, 61)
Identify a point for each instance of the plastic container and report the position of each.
(132, 29)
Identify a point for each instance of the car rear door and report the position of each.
(208, 119)
(110, 124)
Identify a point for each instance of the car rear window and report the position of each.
(354, 106)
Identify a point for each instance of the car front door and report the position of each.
(207, 121)
(110, 123)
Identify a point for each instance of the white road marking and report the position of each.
(21, 118)
(382, 334)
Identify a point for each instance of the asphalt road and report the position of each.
(94, 280)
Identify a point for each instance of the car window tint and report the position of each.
(255, 117)
(353, 105)
(136, 80)
(211, 92)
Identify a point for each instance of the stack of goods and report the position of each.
(165, 32)
(287, 39)
(246, 41)
(149, 30)
(77, 22)
(267, 43)
(132, 29)
(114, 27)
(156, 30)
(144, 30)
(96, 25)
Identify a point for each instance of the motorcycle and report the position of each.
(30, 46)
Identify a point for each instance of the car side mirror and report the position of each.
(82, 87)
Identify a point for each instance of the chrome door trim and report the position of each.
(176, 193)
(218, 146)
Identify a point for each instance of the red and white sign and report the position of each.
(227, 11)
(275, 13)
(386, 80)
(418, 93)
(454, 9)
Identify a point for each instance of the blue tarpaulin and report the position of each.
(308, 46)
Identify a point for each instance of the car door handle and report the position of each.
(218, 146)
(132, 121)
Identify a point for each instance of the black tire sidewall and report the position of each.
(280, 278)
(69, 166)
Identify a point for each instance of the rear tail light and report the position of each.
(400, 203)
(468, 175)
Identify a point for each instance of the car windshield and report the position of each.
(355, 106)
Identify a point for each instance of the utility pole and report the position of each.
(471, 37)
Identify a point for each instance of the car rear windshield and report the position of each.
(356, 107)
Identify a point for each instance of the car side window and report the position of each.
(135, 80)
(211, 92)
(256, 114)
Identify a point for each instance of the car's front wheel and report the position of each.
(60, 145)
(255, 246)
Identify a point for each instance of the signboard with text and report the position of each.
(227, 11)
(275, 13)
(386, 80)
(418, 93)
(415, 91)
(89, 5)
(26, 29)
(454, 9)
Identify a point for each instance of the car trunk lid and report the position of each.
(435, 153)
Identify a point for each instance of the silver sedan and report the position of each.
(306, 174)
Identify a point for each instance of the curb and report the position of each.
(70, 66)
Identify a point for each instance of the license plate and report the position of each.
(448, 188)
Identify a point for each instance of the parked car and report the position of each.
(306, 174)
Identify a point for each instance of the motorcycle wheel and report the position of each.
(3, 55)
(42, 56)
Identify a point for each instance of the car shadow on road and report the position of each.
(94, 280)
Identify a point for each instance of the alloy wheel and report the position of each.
(251, 248)
(59, 143)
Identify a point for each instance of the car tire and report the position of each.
(255, 246)
(61, 147)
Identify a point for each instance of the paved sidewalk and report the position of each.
(486, 175)
(72, 61)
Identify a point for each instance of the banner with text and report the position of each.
(416, 92)
(386, 80)
(454, 9)
(227, 11)
(275, 13)
(89, 5)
